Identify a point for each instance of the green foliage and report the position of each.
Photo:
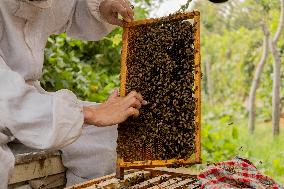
(232, 46)
(229, 61)
(220, 132)
(90, 69)
(217, 146)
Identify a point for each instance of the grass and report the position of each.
(264, 150)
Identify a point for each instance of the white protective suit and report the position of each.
(47, 120)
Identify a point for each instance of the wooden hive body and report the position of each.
(142, 179)
(133, 151)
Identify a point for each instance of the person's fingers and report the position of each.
(117, 91)
(120, 9)
(113, 95)
(136, 95)
(127, 2)
(131, 94)
(139, 97)
(127, 6)
(132, 112)
(113, 19)
(134, 103)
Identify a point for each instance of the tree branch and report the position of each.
(264, 54)
(280, 25)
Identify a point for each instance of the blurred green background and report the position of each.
(231, 42)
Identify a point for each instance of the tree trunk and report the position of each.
(276, 88)
(276, 74)
(255, 83)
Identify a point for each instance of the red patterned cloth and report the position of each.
(236, 173)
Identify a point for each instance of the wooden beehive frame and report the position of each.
(195, 16)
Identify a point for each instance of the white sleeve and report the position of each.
(83, 25)
(43, 121)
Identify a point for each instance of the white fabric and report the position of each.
(92, 155)
(7, 163)
(94, 6)
(37, 118)
(40, 4)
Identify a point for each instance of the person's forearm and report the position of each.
(90, 116)
(87, 114)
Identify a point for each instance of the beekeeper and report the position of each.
(56, 120)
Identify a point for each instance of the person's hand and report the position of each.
(110, 9)
(115, 110)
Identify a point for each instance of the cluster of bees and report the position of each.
(160, 65)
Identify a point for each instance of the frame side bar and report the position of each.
(123, 74)
(197, 61)
(123, 66)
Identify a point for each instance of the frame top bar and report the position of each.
(178, 16)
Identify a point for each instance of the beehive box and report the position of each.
(161, 60)
(142, 179)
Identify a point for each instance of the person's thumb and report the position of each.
(113, 95)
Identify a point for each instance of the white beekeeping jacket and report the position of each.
(38, 119)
